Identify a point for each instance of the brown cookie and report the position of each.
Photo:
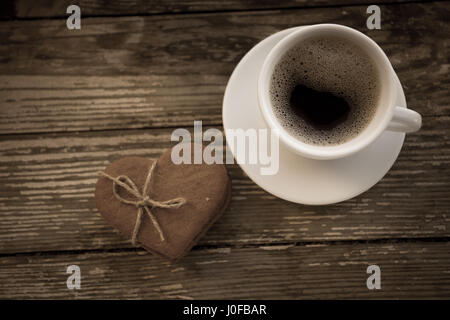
(206, 189)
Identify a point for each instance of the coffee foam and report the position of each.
(328, 65)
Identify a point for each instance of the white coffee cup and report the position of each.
(388, 116)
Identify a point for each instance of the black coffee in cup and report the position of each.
(325, 91)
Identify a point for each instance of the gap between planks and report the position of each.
(304, 5)
(268, 246)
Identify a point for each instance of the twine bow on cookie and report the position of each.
(143, 201)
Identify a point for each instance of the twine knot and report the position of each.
(142, 201)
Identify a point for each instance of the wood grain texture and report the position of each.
(159, 71)
(408, 270)
(44, 8)
(46, 195)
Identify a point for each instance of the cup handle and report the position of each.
(405, 120)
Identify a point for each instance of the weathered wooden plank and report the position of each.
(67, 103)
(45, 8)
(46, 195)
(408, 270)
(159, 71)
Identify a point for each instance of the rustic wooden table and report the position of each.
(72, 101)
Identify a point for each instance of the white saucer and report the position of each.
(302, 180)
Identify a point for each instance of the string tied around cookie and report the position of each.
(142, 201)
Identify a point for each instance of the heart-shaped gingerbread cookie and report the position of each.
(205, 188)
